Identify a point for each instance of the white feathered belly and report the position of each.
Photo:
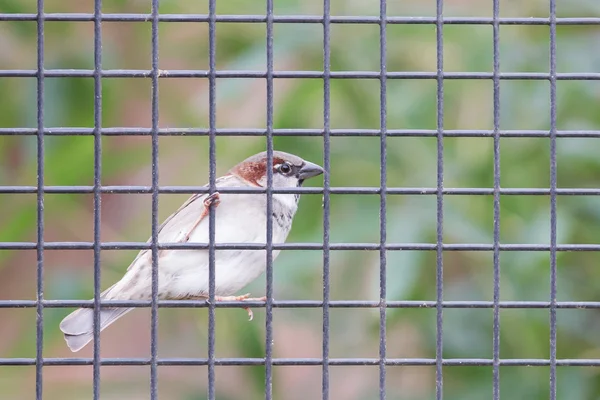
(189, 270)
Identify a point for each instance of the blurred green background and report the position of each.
(468, 162)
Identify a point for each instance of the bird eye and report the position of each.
(285, 168)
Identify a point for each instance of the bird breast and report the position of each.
(239, 218)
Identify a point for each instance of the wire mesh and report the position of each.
(212, 178)
(326, 190)
(383, 246)
(39, 335)
(97, 190)
(439, 278)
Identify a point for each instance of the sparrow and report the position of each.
(182, 273)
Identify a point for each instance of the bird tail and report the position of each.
(78, 327)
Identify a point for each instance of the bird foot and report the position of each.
(244, 297)
(213, 199)
(210, 200)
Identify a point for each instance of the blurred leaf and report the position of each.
(299, 103)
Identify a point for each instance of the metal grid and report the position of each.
(212, 74)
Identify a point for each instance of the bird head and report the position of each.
(288, 170)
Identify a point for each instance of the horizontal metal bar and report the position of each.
(303, 304)
(146, 73)
(127, 131)
(454, 362)
(294, 19)
(122, 189)
(296, 246)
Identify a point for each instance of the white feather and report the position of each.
(182, 273)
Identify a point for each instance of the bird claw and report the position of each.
(244, 297)
(250, 313)
(212, 199)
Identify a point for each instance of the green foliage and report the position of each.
(411, 162)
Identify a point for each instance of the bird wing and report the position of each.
(179, 225)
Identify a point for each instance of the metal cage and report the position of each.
(383, 21)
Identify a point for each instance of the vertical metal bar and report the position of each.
(155, 225)
(326, 183)
(97, 188)
(496, 309)
(39, 334)
(440, 200)
(553, 200)
(212, 176)
(269, 272)
(382, 197)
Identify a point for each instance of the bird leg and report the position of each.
(244, 297)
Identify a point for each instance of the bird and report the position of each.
(183, 273)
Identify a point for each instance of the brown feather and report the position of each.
(253, 171)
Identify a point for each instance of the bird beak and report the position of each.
(309, 170)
